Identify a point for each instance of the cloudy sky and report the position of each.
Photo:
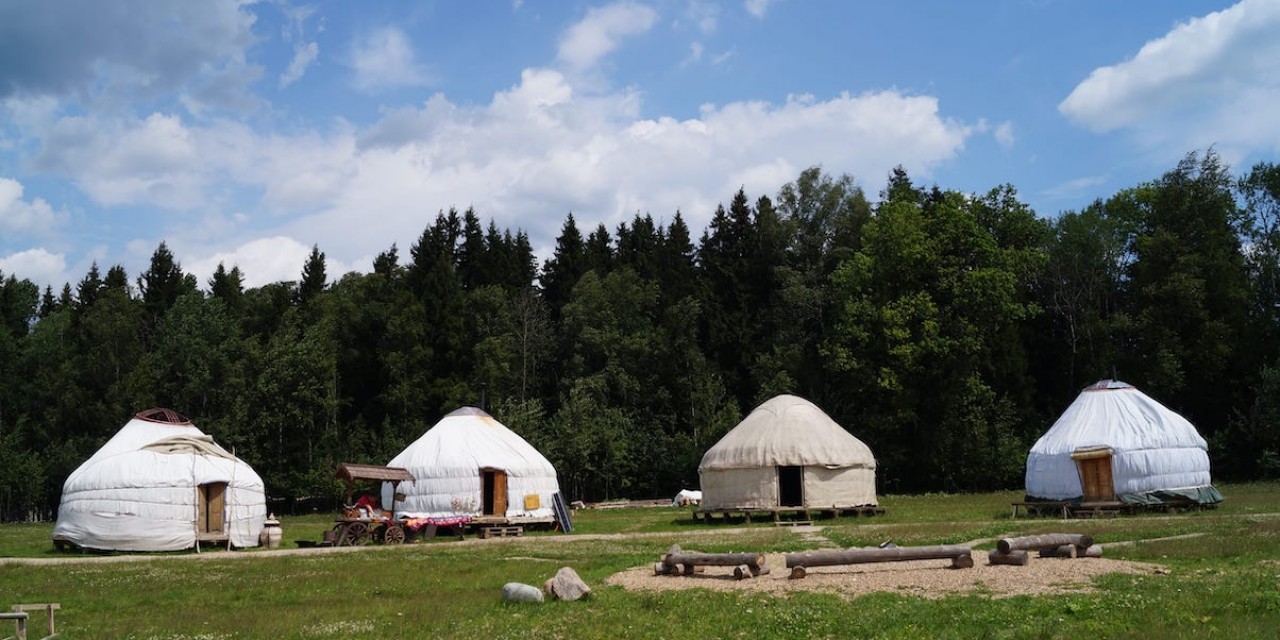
(245, 132)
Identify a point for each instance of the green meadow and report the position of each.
(1224, 583)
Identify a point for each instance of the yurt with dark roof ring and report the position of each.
(160, 484)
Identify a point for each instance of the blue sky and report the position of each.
(245, 132)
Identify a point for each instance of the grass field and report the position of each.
(1223, 584)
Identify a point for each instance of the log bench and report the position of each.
(679, 562)
(961, 557)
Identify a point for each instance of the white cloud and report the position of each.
(384, 59)
(540, 150)
(1213, 79)
(1004, 134)
(599, 33)
(127, 161)
(263, 261)
(704, 15)
(93, 48)
(532, 154)
(303, 56)
(757, 8)
(37, 265)
(19, 215)
(695, 54)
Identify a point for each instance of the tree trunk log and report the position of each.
(713, 559)
(1048, 540)
(1017, 557)
(860, 556)
(1071, 551)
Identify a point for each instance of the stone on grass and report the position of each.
(519, 592)
(567, 585)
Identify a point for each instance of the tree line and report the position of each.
(946, 330)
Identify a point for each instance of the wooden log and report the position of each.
(1071, 551)
(1017, 558)
(860, 556)
(713, 559)
(742, 572)
(1048, 540)
(797, 573)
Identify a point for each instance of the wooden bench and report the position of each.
(501, 532)
(21, 615)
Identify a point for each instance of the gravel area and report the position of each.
(924, 578)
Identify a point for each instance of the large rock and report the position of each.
(567, 585)
(519, 592)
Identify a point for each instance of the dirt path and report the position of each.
(310, 551)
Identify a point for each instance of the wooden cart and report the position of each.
(353, 528)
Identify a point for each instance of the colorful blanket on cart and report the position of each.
(444, 521)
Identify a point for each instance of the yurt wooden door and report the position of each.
(1096, 483)
(211, 501)
(790, 486)
(494, 485)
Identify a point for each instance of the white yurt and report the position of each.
(788, 454)
(160, 484)
(469, 465)
(1115, 443)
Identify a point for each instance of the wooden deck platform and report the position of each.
(777, 515)
(501, 532)
(502, 521)
(1098, 509)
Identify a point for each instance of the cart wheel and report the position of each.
(353, 534)
(393, 534)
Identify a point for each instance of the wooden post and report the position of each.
(1017, 557)
(1048, 540)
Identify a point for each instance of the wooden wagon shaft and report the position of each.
(1006, 545)
(688, 558)
(1017, 557)
(860, 556)
(1071, 551)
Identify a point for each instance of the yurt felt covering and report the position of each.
(1157, 455)
(139, 491)
(741, 470)
(448, 460)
